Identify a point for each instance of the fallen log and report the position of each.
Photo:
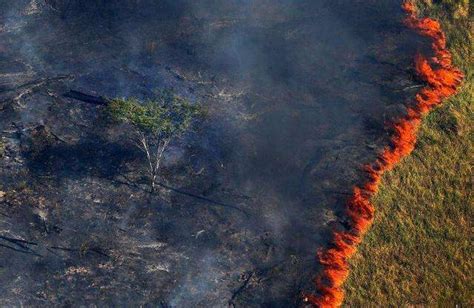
(86, 98)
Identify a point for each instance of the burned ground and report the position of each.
(297, 95)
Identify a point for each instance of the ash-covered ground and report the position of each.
(297, 95)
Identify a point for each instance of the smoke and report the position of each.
(442, 81)
(201, 283)
(288, 85)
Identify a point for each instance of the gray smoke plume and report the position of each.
(296, 94)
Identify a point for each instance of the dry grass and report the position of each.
(419, 250)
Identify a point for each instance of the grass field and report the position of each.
(419, 250)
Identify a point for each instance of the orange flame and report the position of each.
(442, 80)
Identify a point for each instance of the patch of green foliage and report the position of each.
(419, 250)
(165, 116)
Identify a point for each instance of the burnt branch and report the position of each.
(86, 98)
(240, 289)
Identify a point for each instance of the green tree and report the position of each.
(155, 124)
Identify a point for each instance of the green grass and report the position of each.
(419, 250)
(2, 148)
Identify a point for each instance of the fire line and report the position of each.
(442, 80)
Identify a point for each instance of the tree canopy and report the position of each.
(166, 116)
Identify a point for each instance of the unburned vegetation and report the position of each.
(419, 250)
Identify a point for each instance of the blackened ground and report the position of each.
(297, 93)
